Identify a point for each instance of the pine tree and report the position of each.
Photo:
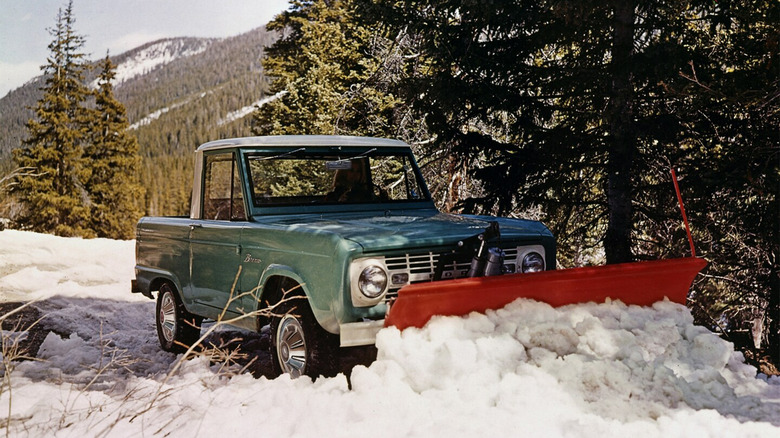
(112, 154)
(516, 91)
(733, 98)
(559, 105)
(326, 80)
(55, 198)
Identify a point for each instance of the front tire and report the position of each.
(177, 329)
(299, 346)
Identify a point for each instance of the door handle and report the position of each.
(192, 228)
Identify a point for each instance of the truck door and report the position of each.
(215, 239)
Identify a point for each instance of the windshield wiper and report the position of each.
(282, 155)
(356, 157)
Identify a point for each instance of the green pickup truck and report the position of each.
(314, 236)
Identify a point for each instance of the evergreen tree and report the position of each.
(336, 73)
(327, 82)
(112, 153)
(511, 90)
(54, 196)
(558, 105)
(733, 106)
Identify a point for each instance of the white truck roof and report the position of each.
(301, 140)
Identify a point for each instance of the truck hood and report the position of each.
(410, 229)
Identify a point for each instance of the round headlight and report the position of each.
(372, 281)
(533, 262)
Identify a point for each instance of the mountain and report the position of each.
(179, 93)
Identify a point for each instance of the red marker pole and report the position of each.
(682, 209)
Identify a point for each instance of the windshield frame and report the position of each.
(340, 153)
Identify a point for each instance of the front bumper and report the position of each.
(354, 334)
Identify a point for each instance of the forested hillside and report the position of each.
(178, 94)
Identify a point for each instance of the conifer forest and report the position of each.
(570, 112)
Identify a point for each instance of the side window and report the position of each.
(222, 196)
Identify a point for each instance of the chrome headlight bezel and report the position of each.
(534, 253)
(369, 281)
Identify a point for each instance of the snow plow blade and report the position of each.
(639, 283)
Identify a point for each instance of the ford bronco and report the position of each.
(314, 236)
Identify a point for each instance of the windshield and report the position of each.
(297, 178)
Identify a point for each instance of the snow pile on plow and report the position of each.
(529, 369)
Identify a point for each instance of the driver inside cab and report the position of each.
(351, 185)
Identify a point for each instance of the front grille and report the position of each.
(420, 267)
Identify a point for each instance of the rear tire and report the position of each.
(299, 346)
(177, 329)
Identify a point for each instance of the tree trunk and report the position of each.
(773, 314)
(622, 148)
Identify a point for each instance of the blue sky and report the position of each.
(117, 26)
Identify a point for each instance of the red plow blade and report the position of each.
(640, 283)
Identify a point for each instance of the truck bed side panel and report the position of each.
(162, 247)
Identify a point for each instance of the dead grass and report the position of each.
(15, 326)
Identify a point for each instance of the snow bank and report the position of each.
(38, 266)
(609, 362)
(590, 370)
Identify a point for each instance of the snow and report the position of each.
(245, 111)
(156, 115)
(156, 55)
(230, 117)
(589, 370)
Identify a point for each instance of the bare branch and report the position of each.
(11, 179)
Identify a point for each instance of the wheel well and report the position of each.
(274, 290)
(157, 283)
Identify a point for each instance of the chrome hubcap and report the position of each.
(168, 316)
(291, 346)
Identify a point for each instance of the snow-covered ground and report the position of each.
(590, 370)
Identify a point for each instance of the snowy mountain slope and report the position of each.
(590, 370)
(178, 92)
(146, 58)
